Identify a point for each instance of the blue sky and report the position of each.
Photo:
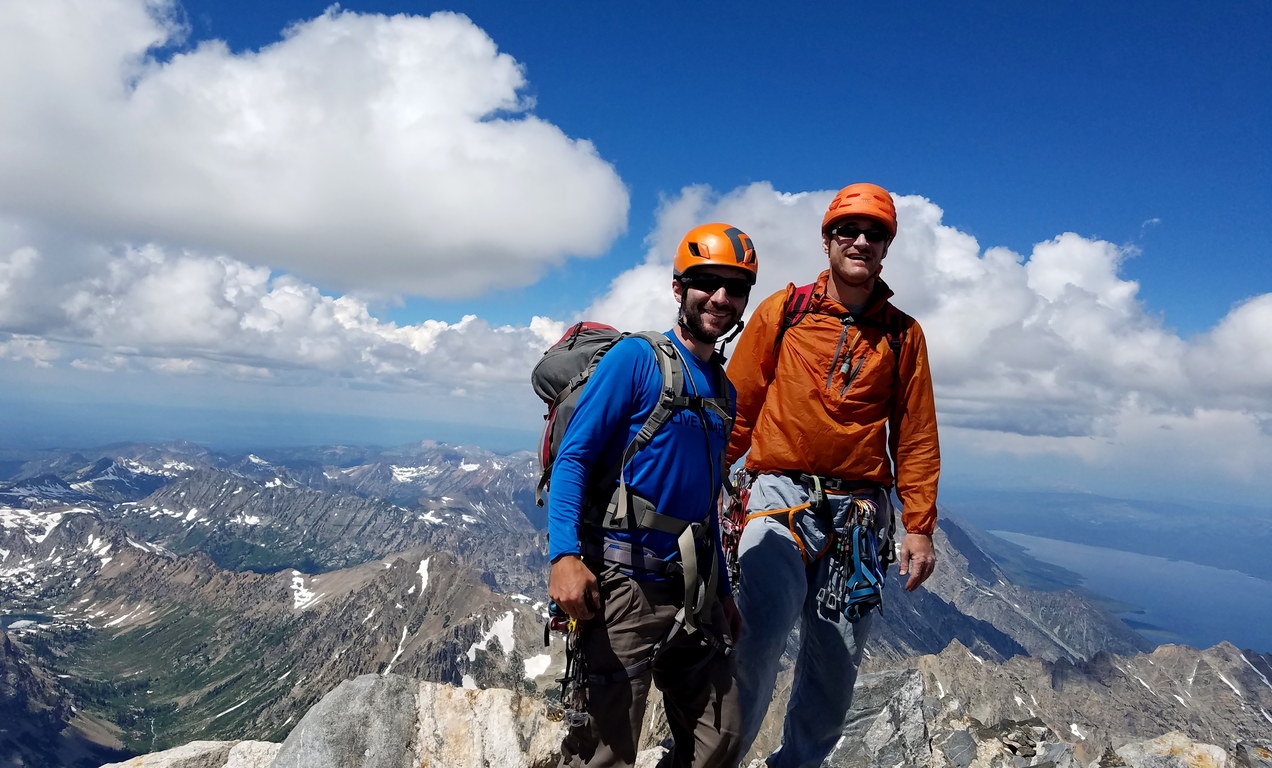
(278, 237)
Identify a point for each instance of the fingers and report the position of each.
(919, 573)
(917, 559)
(574, 588)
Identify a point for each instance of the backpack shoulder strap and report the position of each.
(799, 302)
(726, 398)
(670, 390)
(895, 324)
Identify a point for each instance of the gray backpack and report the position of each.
(560, 375)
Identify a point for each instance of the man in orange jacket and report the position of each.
(836, 410)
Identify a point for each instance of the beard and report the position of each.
(705, 328)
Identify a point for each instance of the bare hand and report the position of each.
(573, 587)
(918, 559)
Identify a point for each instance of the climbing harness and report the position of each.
(570, 705)
(857, 563)
(854, 581)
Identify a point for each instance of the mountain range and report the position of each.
(154, 595)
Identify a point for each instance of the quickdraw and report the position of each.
(570, 705)
(732, 520)
(854, 584)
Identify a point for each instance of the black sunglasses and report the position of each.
(737, 287)
(851, 232)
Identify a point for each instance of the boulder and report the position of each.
(196, 754)
(1173, 750)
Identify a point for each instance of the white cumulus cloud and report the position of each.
(360, 151)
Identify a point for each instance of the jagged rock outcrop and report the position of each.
(369, 721)
(389, 721)
(1253, 755)
(886, 725)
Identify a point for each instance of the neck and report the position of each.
(700, 349)
(847, 294)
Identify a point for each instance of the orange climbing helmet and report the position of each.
(717, 244)
(862, 200)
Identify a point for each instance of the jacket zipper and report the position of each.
(845, 321)
(851, 375)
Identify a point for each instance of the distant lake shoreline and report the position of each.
(1176, 601)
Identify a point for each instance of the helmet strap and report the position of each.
(690, 330)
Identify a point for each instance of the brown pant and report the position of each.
(696, 680)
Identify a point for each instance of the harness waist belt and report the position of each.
(832, 484)
(623, 554)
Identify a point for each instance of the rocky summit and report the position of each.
(389, 721)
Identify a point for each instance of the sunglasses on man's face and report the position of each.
(851, 232)
(737, 287)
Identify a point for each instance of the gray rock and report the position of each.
(1058, 754)
(1252, 755)
(368, 722)
(958, 747)
(460, 727)
(657, 756)
(196, 754)
(886, 725)
(253, 754)
(1173, 750)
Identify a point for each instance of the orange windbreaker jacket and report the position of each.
(835, 400)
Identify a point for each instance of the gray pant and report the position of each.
(778, 589)
(696, 680)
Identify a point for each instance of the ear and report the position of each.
(826, 244)
(677, 290)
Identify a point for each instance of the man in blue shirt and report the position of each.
(647, 616)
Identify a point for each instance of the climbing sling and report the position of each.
(855, 572)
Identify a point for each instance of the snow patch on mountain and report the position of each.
(423, 571)
(537, 665)
(35, 524)
(501, 630)
(302, 596)
(411, 474)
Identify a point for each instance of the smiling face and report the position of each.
(856, 247)
(711, 315)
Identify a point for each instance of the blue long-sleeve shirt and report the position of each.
(679, 470)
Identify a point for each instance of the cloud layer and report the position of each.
(395, 154)
(148, 309)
